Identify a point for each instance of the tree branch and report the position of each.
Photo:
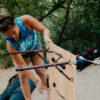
(57, 5)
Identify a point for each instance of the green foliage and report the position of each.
(83, 27)
(36, 8)
(5, 61)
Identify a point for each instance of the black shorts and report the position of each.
(38, 47)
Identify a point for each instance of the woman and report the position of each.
(20, 36)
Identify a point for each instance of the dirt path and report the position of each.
(88, 83)
(5, 75)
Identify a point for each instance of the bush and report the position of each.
(5, 60)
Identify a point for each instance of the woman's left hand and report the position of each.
(47, 39)
(46, 34)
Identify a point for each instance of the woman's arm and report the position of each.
(18, 59)
(38, 26)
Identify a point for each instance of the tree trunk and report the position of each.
(64, 23)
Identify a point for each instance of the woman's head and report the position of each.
(5, 23)
(8, 26)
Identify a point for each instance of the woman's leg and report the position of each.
(36, 60)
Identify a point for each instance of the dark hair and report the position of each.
(5, 22)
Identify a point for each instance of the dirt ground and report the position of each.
(88, 83)
(5, 75)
